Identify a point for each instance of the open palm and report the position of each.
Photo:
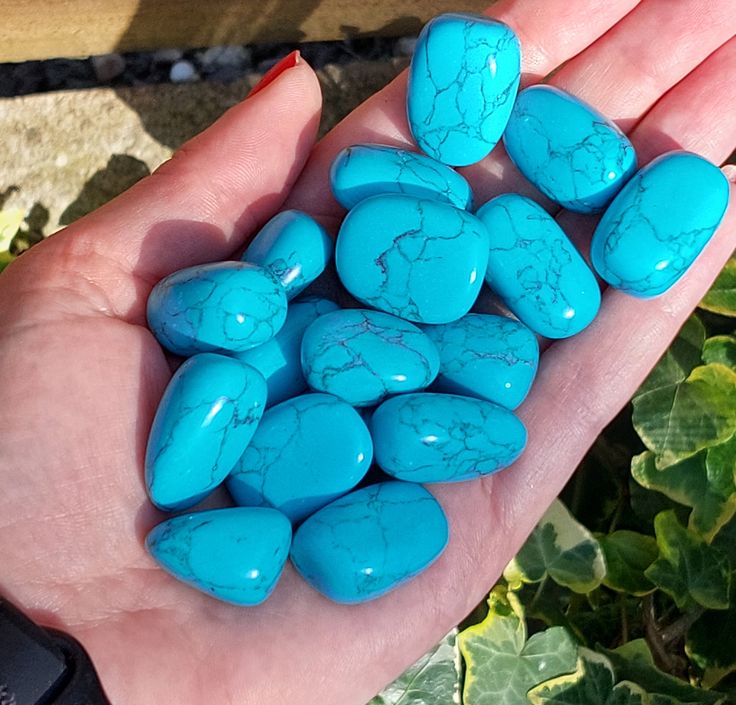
(82, 375)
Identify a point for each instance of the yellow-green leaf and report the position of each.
(628, 554)
(722, 296)
(720, 348)
(10, 221)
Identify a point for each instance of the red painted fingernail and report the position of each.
(289, 61)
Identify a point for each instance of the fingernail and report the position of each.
(289, 61)
(730, 171)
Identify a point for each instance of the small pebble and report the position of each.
(183, 72)
(108, 66)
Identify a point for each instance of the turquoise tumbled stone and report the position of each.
(278, 359)
(294, 247)
(433, 437)
(363, 356)
(235, 555)
(418, 259)
(372, 169)
(486, 356)
(659, 223)
(306, 451)
(536, 270)
(219, 307)
(370, 541)
(206, 418)
(572, 153)
(463, 80)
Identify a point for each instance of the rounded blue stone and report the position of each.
(294, 247)
(218, 307)
(463, 80)
(235, 555)
(536, 270)
(278, 359)
(365, 170)
(572, 153)
(659, 223)
(486, 356)
(306, 451)
(370, 541)
(364, 356)
(206, 418)
(444, 438)
(418, 259)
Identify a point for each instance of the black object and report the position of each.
(43, 666)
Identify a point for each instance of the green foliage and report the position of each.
(11, 221)
(721, 298)
(628, 555)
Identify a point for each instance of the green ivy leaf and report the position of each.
(722, 296)
(711, 645)
(501, 663)
(562, 548)
(721, 349)
(628, 554)
(11, 220)
(688, 569)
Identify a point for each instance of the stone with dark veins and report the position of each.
(306, 452)
(370, 541)
(659, 223)
(536, 270)
(462, 83)
(418, 259)
(204, 421)
(431, 437)
(364, 356)
(235, 555)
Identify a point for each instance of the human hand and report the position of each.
(83, 375)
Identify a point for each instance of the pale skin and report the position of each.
(82, 375)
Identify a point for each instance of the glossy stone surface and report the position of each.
(306, 452)
(370, 541)
(659, 223)
(365, 170)
(418, 259)
(572, 153)
(218, 307)
(364, 356)
(486, 356)
(278, 359)
(235, 555)
(536, 270)
(444, 437)
(294, 247)
(206, 418)
(463, 80)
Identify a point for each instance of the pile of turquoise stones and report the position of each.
(292, 402)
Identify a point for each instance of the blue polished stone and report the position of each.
(206, 418)
(306, 452)
(463, 80)
(486, 356)
(278, 360)
(418, 259)
(370, 541)
(536, 270)
(444, 437)
(235, 555)
(659, 223)
(364, 356)
(219, 307)
(572, 153)
(372, 169)
(294, 247)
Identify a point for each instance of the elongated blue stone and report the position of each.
(659, 223)
(463, 80)
(306, 452)
(363, 356)
(206, 418)
(365, 170)
(418, 259)
(444, 438)
(536, 270)
(370, 541)
(294, 247)
(278, 359)
(218, 307)
(572, 153)
(235, 555)
(486, 356)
